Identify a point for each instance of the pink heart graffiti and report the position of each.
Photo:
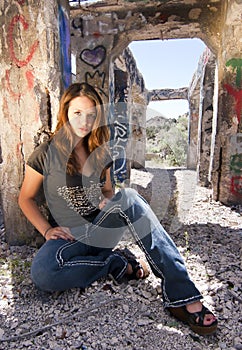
(93, 57)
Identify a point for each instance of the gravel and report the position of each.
(130, 316)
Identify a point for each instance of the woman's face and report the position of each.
(81, 115)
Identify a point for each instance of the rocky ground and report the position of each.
(130, 316)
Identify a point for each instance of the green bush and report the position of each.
(169, 138)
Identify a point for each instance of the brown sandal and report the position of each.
(198, 327)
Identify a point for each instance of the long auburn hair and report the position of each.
(95, 140)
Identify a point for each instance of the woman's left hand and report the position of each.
(59, 232)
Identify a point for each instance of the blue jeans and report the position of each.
(61, 265)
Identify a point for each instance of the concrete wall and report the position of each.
(201, 105)
(31, 80)
(215, 103)
(227, 161)
(137, 105)
(35, 67)
(205, 122)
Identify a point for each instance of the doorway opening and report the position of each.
(169, 64)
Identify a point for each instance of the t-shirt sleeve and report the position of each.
(109, 165)
(108, 161)
(38, 158)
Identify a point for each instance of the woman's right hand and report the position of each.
(59, 232)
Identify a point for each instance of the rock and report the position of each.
(1, 333)
(238, 346)
(126, 308)
(147, 295)
(144, 321)
(114, 340)
(238, 343)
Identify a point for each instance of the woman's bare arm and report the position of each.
(107, 190)
(29, 190)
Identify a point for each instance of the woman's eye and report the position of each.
(92, 116)
(80, 114)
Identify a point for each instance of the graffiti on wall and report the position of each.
(20, 67)
(120, 126)
(93, 57)
(168, 94)
(99, 78)
(16, 20)
(20, 63)
(119, 123)
(236, 186)
(236, 165)
(236, 64)
(120, 137)
(90, 27)
(135, 76)
(65, 43)
(94, 54)
(236, 93)
(236, 140)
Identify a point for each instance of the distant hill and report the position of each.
(159, 121)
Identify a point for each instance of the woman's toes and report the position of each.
(209, 319)
(140, 273)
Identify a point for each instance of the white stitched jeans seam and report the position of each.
(58, 255)
(115, 208)
(151, 261)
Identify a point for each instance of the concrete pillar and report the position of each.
(95, 48)
(64, 42)
(200, 99)
(119, 123)
(193, 128)
(30, 88)
(92, 42)
(137, 143)
(205, 123)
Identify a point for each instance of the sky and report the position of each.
(167, 64)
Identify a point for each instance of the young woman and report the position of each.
(87, 219)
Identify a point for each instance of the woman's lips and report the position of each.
(83, 129)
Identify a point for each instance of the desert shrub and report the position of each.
(151, 132)
(169, 138)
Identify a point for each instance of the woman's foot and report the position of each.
(137, 269)
(197, 316)
(209, 318)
